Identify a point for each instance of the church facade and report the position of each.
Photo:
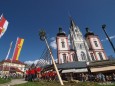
(88, 48)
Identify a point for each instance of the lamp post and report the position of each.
(103, 27)
(42, 35)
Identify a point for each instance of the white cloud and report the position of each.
(111, 37)
(29, 62)
(39, 62)
(53, 43)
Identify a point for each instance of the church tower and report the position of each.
(95, 47)
(63, 50)
(78, 42)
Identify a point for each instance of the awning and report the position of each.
(75, 70)
(72, 65)
(108, 68)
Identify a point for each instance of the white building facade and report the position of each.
(78, 43)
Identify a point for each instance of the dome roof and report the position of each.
(88, 32)
(61, 33)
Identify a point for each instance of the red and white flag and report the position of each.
(3, 25)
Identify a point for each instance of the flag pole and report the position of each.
(12, 57)
(9, 51)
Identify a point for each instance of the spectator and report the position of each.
(113, 77)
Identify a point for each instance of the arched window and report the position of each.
(95, 42)
(100, 55)
(83, 56)
(61, 61)
(63, 44)
(64, 58)
(73, 56)
(92, 56)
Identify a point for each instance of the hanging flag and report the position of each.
(3, 25)
(18, 48)
(9, 50)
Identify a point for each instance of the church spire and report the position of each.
(72, 23)
(78, 42)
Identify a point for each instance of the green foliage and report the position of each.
(2, 80)
(53, 83)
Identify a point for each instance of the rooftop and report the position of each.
(13, 61)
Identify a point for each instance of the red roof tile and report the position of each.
(13, 61)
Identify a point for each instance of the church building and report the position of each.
(81, 49)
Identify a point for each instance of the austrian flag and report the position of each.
(3, 25)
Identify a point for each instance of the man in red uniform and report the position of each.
(32, 74)
(29, 75)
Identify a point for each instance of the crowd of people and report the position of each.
(99, 77)
(11, 75)
(92, 77)
(32, 74)
(49, 76)
(35, 74)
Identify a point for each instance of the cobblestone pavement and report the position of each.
(14, 82)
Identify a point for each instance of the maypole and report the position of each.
(42, 35)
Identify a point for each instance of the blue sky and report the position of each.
(27, 17)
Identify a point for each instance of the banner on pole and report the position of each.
(18, 48)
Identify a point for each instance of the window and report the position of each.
(61, 61)
(100, 55)
(63, 44)
(80, 46)
(95, 42)
(92, 56)
(83, 56)
(73, 56)
(64, 58)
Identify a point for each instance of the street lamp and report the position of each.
(42, 35)
(103, 27)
